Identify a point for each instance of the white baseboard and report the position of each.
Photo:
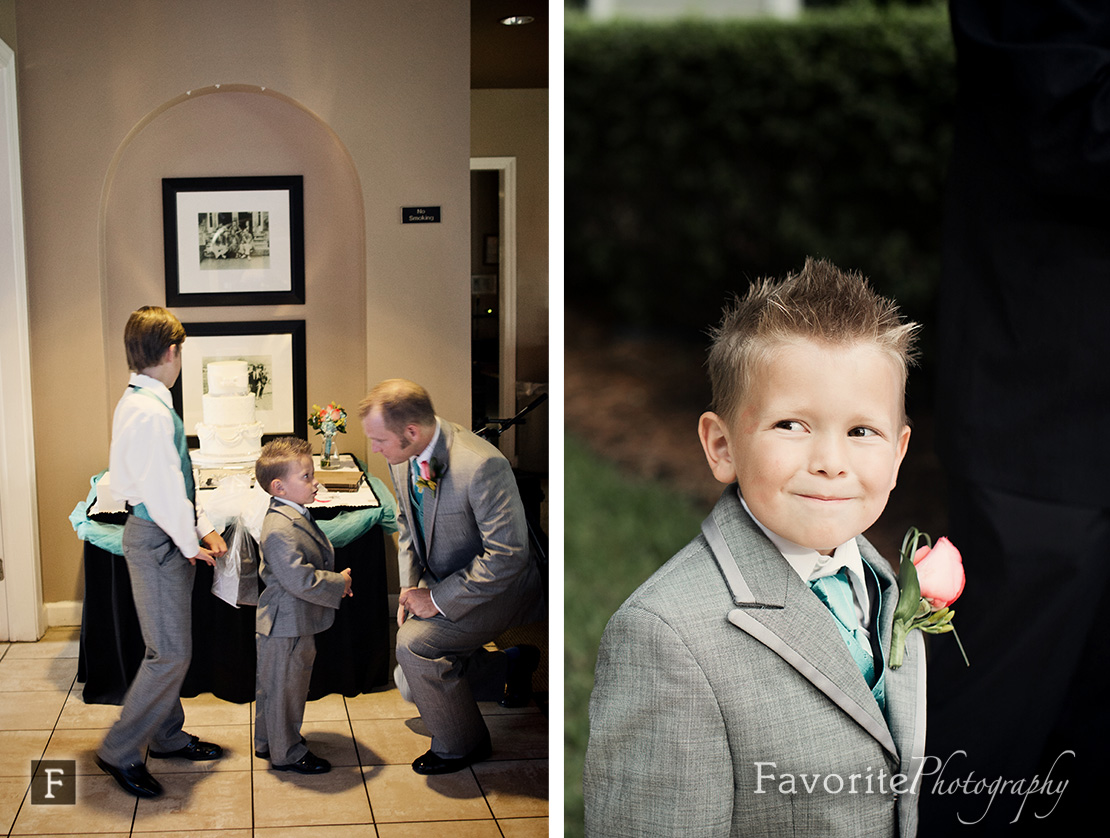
(63, 613)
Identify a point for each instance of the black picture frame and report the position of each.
(234, 241)
(277, 346)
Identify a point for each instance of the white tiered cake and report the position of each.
(229, 433)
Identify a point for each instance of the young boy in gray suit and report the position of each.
(301, 596)
(744, 688)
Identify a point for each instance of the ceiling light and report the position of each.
(517, 20)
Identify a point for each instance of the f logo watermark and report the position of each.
(54, 782)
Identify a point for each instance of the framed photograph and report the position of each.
(492, 254)
(275, 355)
(233, 241)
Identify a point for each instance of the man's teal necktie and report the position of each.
(836, 593)
(416, 495)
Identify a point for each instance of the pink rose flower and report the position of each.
(940, 572)
(425, 471)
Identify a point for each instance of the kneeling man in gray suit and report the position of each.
(302, 594)
(466, 571)
(744, 689)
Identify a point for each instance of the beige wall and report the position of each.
(368, 99)
(7, 23)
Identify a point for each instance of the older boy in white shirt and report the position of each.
(162, 540)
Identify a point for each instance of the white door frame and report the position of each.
(506, 295)
(22, 614)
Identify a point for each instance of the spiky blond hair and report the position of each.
(279, 456)
(820, 303)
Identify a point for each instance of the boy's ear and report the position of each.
(277, 488)
(713, 433)
(902, 447)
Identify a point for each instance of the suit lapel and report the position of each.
(776, 607)
(298, 520)
(402, 487)
(441, 453)
(905, 686)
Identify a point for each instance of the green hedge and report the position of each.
(700, 155)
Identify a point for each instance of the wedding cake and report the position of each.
(229, 433)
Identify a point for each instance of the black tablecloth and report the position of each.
(352, 656)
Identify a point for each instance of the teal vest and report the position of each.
(182, 450)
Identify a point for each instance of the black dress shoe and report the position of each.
(133, 779)
(308, 764)
(518, 679)
(196, 750)
(433, 763)
(266, 753)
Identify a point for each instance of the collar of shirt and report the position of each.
(426, 454)
(287, 502)
(811, 565)
(152, 384)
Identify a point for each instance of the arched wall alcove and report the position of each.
(228, 131)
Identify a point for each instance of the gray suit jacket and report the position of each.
(725, 703)
(474, 556)
(303, 590)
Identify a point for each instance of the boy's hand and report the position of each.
(346, 574)
(214, 543)
(206, 556)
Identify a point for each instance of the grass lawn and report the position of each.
(618, 531)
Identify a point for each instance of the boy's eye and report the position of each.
(789, 425)
(863, 432)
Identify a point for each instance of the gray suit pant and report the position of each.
(281, 690)
(162, 586)
(447, 671)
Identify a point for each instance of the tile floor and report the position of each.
(370, 740)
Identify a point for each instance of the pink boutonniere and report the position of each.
(430, 472)
(931, 578)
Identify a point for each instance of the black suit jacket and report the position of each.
(1024, 387)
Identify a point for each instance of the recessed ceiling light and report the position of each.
(517, 20)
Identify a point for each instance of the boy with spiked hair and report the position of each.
(744, 689)
(303, 592)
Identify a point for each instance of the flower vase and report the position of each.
(330, 453)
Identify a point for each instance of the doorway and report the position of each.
(493, 296)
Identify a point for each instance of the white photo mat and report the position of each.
(192, 279)
(274, 409)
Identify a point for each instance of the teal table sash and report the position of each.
(343, 529)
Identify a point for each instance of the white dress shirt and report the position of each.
(811, 565)
(425, 455)
(302, 509)
(146, 467)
